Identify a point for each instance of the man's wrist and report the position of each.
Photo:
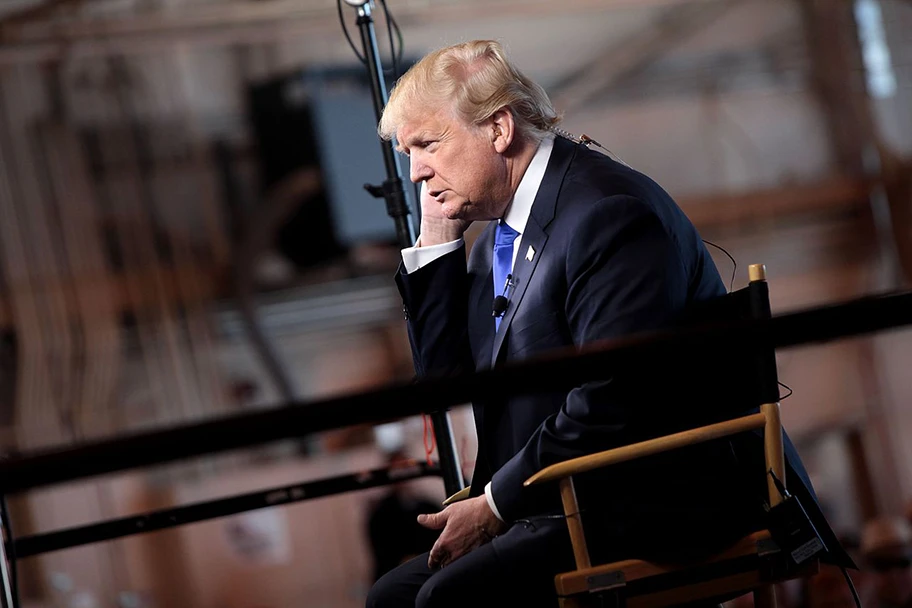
(436, 233)
(418, 256)
(489, 496)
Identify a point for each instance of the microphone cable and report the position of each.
(391, 26)
(11, 555)
(851, 586)
(731, 286)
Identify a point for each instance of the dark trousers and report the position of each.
(518, 568)
(515, 569)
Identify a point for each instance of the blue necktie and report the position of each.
(504, 236)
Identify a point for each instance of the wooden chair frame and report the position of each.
(588, 578)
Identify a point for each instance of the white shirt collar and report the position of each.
(517, 214)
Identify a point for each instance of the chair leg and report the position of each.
(569, 602)
(765, 597)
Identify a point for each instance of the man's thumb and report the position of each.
(434, 521)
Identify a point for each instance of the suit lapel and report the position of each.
(535, 235)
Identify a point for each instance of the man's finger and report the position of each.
(434, 521)
(435, 556)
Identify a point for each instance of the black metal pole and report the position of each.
(392, 189)
(28, 546)
(397, 207)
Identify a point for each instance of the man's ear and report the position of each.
(503, 130)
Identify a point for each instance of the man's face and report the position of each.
(459, 163)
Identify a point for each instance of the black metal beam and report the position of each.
(557, 371)
(28, 546)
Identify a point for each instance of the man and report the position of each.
(582, 248)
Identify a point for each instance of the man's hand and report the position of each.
(436, 228)
(466, 525)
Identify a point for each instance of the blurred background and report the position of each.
(184, 234)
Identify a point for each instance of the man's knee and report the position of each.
(437, 592)
(389, 592)
(398, 587)
(384, 594)
(428, 596)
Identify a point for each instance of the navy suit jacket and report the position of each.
(613, 255)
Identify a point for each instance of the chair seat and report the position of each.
(747, 564)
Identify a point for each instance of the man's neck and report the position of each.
(524, 154)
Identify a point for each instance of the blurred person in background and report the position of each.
(886, 549)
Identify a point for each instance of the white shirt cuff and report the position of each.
(490, 499)
(417, 257)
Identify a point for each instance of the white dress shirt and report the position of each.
(516, 216)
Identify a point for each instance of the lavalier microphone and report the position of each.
(501, 302)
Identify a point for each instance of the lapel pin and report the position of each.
(530, 254)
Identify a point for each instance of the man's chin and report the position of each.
(464, 212)
(457, 212)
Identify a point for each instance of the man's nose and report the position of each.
(419, 171)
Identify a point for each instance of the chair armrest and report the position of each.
(460, 495)
(633, 451)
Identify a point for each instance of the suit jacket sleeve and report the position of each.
(436, 306)
(624, 275)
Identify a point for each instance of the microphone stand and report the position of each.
(397, 208)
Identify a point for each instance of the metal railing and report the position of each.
(560, 370)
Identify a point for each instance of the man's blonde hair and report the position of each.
(475, 79)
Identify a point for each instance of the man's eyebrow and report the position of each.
(417, 137)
